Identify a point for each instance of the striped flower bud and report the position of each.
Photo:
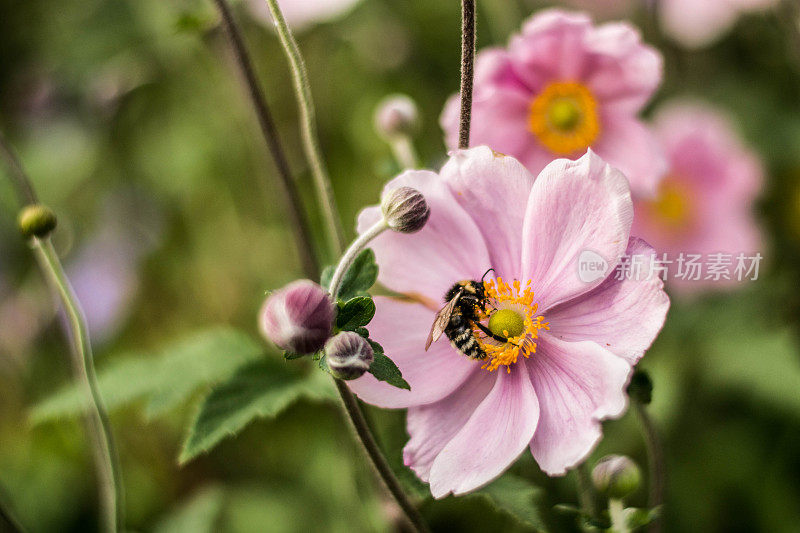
(349, 355)
(298, 317)
(396, 115)
(405, 209)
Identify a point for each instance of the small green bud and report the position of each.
(36, 220)
(640, 388)
(616, 476)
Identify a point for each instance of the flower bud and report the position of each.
(349, 355)
(396, 115)
(616, 476)
(298, 317)
(640, 388)
(36, 221)
(405, 209)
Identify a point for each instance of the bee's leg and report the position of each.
(489, 333)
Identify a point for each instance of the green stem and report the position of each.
(297, 220)
(404, 153)
(352, 253)
(655, 462)
(308, 128)
(616, 511)
(378, 460)
(586, 493)
(27, 196)
(83, 363)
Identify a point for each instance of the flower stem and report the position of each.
(616, 511)
(297, 220)
(655, 461)
(404, 153)
(106, 458)
(378, 460)
(308, 128)
(25, 191)
(467, 70)
(586, 493)
(352, 252)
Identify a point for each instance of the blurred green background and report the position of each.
(132, 121)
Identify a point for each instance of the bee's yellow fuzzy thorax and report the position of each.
(564, 118)
(511, 300)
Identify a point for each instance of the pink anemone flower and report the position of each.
(696, 24)
(704, 206)
(562, 86)
(571, 341)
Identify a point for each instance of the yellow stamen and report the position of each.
(564, 118)
(673, 207)
(511, 299)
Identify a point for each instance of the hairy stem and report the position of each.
(83, 365)
(308, 128)
(98, 426)
(467, 70)
(378, 460)
(352, 252)
(655, 462)
(297, 219)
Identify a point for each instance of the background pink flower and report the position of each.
(301, 13)
(698, 23)
(468, 423)
(564, 85)
(705, 204)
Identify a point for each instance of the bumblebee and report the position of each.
(466, 301)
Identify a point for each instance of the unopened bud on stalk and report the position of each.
(405, 209)
(349, 355)
(616, 476)
(298, 317)
(396, 115)
(36, 220)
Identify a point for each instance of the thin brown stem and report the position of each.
(655, 461)
(297, 219)
(467, 70)
(376, 456)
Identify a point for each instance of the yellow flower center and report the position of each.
(514, 318)
(673, 206)
(564, 118)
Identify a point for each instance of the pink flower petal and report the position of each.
(402, 328)
(622, 73)
(551, 47)
(492, 439)
(574, 206)
(432, 426)
(578, 384)
(448, 249)
(631, 147)
(493, 189)
(624, 316)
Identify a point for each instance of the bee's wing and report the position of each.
(441, 321)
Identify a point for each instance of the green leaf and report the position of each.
(201, 514)
(289, 356)
(355, 313)
(261, 389)
(167, 377)
(364, 332)
(517, 498)
(384, 369)
(636, 517)
(358, 279)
